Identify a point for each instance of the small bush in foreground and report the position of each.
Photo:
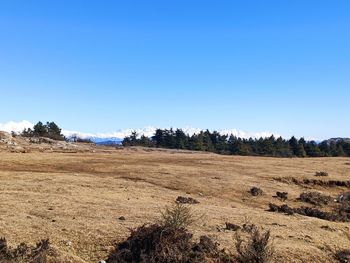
(23, 252)
(177, 216)
(257, 249)
(158, 244)
(168, 242)
(343, 256)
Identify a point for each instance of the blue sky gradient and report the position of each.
(99, 66)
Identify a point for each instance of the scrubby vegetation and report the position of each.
(168, 241)
(342, 256)
(321, 173)
(340, 213)
(23, 252)
(186, 200)
(323, 183)
(255, 191)
(256, 249)
(282, 195)
(316, 198)
(224, 144)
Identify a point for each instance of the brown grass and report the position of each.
(75, 199)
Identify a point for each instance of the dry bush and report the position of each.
(186, 200)
(24, 252)
(316, 198)
(257, 249)
(344, 197)
(323, 183)
(178, 216)
(255, 191)
(168, 242)
(339, 214)
(231, 226)
(282, 195)
(321, 173)
(342, 256)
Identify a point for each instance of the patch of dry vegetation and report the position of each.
(256, 249)
(339, 214)
(168, 242)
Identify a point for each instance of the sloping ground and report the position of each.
(18, 144)
(75, 199)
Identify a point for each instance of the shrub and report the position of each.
(282, 195)
(168, 242)
(315, 198)
(339, 214)
(343, 256)
(344, 197)
(23, 252)
(257, 249)
(321, 173)
(177, 216)
(231, 226)
(255, 191)
(186, 200)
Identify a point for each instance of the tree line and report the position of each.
(232, 145)
(48, 130)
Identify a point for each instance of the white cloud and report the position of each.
(147, 131)
(15, 126)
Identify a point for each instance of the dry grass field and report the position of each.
(75, 199)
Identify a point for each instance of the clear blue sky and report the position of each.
(98, 66)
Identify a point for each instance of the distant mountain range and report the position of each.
(107, 141)
(115, 138)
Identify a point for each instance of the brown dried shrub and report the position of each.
(342, 256)
(321, 173)
(257, 249)
(339, 214)
(168, 242)
(316, 198)
(186, 200)
(24, 252)
(255, 191)
(282, 195)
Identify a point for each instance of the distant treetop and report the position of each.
(48, 130)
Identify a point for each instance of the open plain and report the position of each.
(76, 198)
